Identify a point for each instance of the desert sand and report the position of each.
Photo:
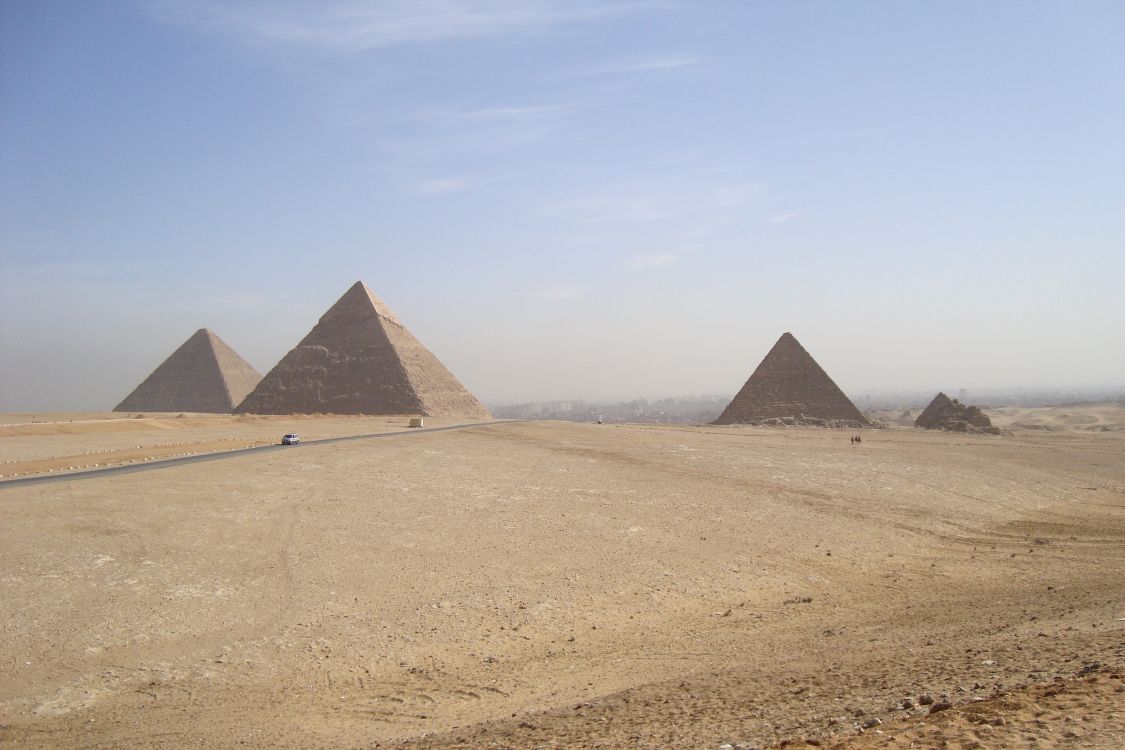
(32, 444)
(562, 585)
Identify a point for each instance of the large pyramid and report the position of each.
(203, 375)
(789, 386)
(359, 359)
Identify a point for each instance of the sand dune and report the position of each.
(1095, 417)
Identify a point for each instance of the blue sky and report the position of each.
(567, 199)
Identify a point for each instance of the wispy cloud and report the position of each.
(446, 185)
(639, 65)
(736, 196)
(357, 25)
(517, 113)
(556, 293)
(782, 218)
(443, 131)
(656, 260)
(613, 209)
(639, 203)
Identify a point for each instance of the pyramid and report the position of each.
(359, 359)
(945, 413)
(203, 375)
(790, 387)
(934, 414)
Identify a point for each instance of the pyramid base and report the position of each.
(851, 424)
(961, 425)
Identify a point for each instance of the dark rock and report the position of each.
(1091, 667)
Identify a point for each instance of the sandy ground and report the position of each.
(32, 444)
(1105, 416)
(1098, 417)
(568, 585)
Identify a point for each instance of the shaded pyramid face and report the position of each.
(203, 375)
(359, 359)
(789, 384)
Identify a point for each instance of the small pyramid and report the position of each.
(360, 359)
(203, 375)
(944, 413)
(790, 385)
(934, 414)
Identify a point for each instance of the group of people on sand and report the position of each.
(857, 439)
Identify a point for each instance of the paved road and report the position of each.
(168, 462)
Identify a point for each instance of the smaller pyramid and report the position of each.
(789, 387)
(934, 414)
(360, 359)
(203, 375)
(945, 413)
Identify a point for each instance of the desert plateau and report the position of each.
(562, 375)
(551, 584)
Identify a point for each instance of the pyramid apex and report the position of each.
(786, 342)
(206, 334)
(360, 298)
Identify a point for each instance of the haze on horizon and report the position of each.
(566, 199)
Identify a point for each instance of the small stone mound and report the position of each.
(951, 415)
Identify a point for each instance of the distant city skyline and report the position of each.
(567, 199)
